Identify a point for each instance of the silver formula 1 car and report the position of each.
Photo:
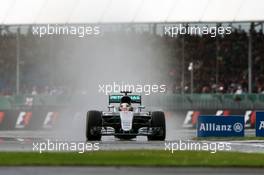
(125, 121)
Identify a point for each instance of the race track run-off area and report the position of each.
(22, 140)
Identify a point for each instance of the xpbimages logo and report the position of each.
(189, 145)
(213, 31)
(74, 30)
(49, 146)
(147, 89)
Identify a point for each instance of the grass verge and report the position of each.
(133, 158)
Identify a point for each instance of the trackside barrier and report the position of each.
(220, 126)
(166, 101)
(42, 117)
(260, 124)
(191, 116)
(38, 118)
(29, 119)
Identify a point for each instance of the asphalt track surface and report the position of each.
(127, 171)
(21, 140)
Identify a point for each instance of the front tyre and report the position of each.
(93, 126)
(158, 125)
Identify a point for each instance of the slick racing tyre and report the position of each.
(93, 126)
(159, 126)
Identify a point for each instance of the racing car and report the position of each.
(125, 121)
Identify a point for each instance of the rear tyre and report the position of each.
(158, 121)
(93, 126)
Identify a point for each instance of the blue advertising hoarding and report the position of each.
(260, 124)
(220, 126)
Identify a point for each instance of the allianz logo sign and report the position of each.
(237, 127)
(261, 125)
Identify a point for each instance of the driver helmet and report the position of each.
(125, 103)
(124, 107)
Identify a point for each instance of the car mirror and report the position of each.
(141, 107)
(110, 107)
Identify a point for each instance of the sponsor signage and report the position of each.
(2, 115)
(191, 119)
(260, 124)
(223, 113)
(23, 119)
(220, 126)
(117, 98)
(50, 119)
(250, 118)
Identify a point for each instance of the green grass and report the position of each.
(228, 138)
(133, 158)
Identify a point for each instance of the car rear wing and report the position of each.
(117, 98)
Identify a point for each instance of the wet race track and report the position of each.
(20, 140)
(128, 171)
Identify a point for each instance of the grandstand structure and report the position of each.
(18, 12)
(169, 102)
